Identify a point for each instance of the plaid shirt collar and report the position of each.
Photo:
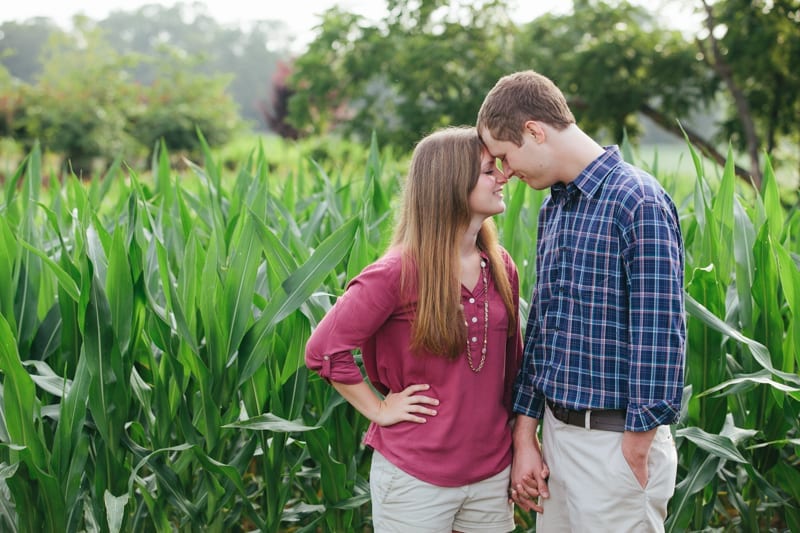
(590, 179)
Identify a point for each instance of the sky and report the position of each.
(300, 16)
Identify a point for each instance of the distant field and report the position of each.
(672, 164)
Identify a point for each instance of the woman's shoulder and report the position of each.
(387, 267)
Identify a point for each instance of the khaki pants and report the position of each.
(592, 488)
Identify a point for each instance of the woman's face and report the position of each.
(486, 199)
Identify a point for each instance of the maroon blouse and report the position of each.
(469, 439)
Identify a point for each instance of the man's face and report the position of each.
(525, 161)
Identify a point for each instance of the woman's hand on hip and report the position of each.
(406, 406)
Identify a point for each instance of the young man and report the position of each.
(605, 339)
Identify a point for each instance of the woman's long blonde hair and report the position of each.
(435, 212)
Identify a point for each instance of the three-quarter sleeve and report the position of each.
(368, 301)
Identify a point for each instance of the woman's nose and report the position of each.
(501, 177)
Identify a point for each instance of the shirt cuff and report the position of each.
(533, 408)
(647, 417)
(341, 368)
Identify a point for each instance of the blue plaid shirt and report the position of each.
(606, 328)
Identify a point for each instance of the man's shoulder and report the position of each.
(632, 185)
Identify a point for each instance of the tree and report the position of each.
(615, 63)
(73, 114)
(247, 56)
(10, 100)
(178, 103)
(21, 45)
(67, 109)
(426, 64)
(753, 46)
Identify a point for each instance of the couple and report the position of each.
(454, 426)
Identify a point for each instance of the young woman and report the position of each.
(436, 320)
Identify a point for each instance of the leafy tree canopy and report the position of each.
(430, 62)
(413, 71)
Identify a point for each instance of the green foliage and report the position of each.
(151, 349)
(430, 63)
(761, 43)
(738, 438)
(179, 103)
(10, 97)
(68, 110)
(613, 60)
(415, 70)
(245, 54)
(74, 115)
(152, 335)
(21, 45)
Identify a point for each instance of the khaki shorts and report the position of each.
(402, 503)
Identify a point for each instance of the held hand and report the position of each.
(529, 476)
(405, 406)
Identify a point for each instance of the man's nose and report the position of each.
(506, 170)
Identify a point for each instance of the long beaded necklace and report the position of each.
(485, 323)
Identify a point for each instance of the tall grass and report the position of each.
(152, 335)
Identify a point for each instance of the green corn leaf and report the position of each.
(717, 445)
(765, 291)
(71, 445)
(758, 350)
(19, 401)
(333, 473)
(65, 281)
(280, 260)
(169, 482)
(109, 389)
(239, 284)
(299, 286)
(743, 242)
(307, 278)
(745, 383)
(119, 288)
(271, 422)
(701, 472)
(790, 283)
(772, 202)
(9, 252)
(361, 253)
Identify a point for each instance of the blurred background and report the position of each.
(187, 188)
(97, 80)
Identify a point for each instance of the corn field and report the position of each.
(152, 334)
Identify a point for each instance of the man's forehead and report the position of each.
(489, 142)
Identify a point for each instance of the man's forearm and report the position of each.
(525, 431)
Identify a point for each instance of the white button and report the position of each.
(474, 319)
(472, 300)
(474, 339)
(326, 357)
(483, 264)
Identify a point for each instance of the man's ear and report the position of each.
(534, 128)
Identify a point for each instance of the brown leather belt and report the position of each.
(603, 419)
